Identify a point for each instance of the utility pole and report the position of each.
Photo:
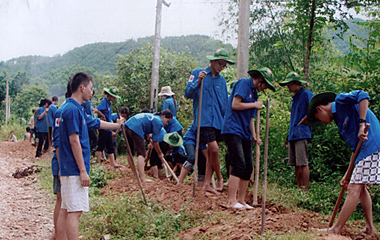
(7, 103)
(243, 39)
(156, 56)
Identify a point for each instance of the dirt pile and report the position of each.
(26, 171)
(23, 150)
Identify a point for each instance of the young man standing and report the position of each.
(350, 113)
(215, 100)
(74, 155)
(51, 115)
(299, 135)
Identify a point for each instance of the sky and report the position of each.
(50, 27)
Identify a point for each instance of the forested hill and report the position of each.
(103, 56)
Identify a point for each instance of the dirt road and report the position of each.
(25, 212)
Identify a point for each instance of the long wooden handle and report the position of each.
(170, 169)
(256, 172)
(348, 176)
(131, 163)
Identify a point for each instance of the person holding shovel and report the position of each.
(350, 113)
(239, 132)
(138, 128)
(105, 136)
(299, 135)
(213, 107)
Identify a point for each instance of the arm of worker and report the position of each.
(156, 146)
(107, 125)
(238, 104)
(253, 132)
(194, 82)
(43, 113)
(363, 108)
(57, 152)
(77, 152)
(102, 116)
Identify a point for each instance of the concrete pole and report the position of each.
(243, 39)
(156, 57)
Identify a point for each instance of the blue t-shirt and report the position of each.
(238, 121)
(57, 119)
(215, 98)
(105, 107)
(51, 113)
(87, 108)
(146, 123)
(74, 120)
(169, 104)
(300, 103)
(345, 111)
(191, 137)
(173, 126)
(41, 124)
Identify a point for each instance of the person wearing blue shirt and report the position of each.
(177, 155)
(213, 106)
(350, 112)
(138, 128)
(105, 136)
(239, 131)
(299, 135)
(124, 113)
(74, 155)
(189, 141)
(42, 127)
(170, 102)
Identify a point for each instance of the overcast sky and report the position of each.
(49, 27)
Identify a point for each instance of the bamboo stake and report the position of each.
(265, 169)
(198, 136)
(348, 176)
(257, 162)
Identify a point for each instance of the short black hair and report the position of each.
(28, 129)
(55, 98)
(79, 79)
(125, 110)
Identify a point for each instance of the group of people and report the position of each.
(220, 117)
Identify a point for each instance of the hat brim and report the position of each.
(229, 61)
(166, 94)
(288, 80)
(167, 140)
(270, 85)
(320, 99)
(107, 90)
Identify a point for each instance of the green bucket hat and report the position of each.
(267, 75)
(113, 91)
(292, 76)
(221, 53)
(319, 99)
(173, 139)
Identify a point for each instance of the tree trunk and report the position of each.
(308, 48)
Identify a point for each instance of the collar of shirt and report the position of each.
(299, 92)
(208, 71)
(75, 103)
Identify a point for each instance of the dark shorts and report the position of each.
(239, 156)
(56, 185)
(298, 153)
(105, 142)
(136, 143)
(210, 134)
(154, 159)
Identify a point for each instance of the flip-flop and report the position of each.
(247, 206)
(239, 206)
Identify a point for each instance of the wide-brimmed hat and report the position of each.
(173, 139)
(166, 91)
(222, 54)
(319, 99)
(292, 77)
(113, 91)
(267, 75)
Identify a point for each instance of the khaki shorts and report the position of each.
(74, 196)
(298, 154)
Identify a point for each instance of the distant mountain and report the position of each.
(343, 45)
(103, 56)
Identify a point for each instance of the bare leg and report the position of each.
(353, 193)
(112, 160)
(366, 202)
(182, 175)
(57, 209)
(140, 167)
(98, 155)
(209, 173)
(302, 177)
(213, 148)
(232, 190)
(243, 186)
(72, 225)
(61, 225)
(154, 171)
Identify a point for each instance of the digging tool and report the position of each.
(256, 173)
(167, 166)
(130, 160)
(198, 136)
(348, 176)
(265, 169)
